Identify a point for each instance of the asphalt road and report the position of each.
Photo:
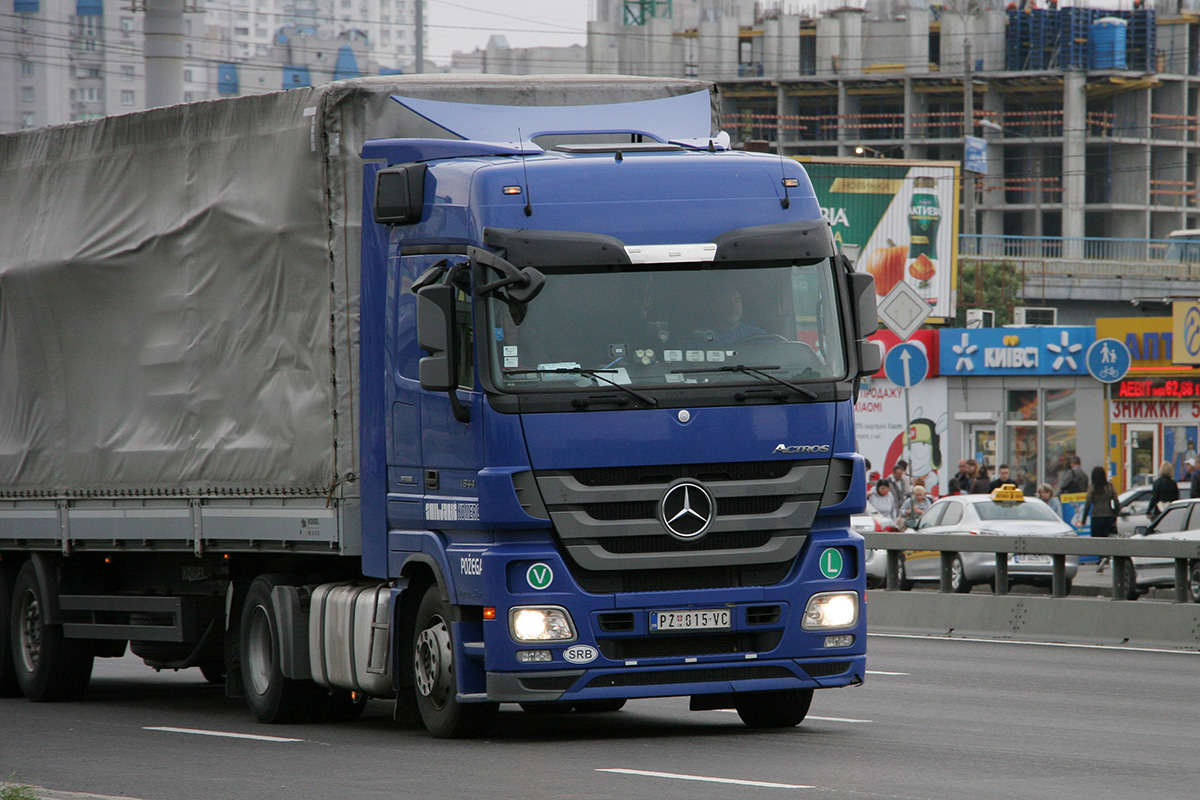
(936, 719)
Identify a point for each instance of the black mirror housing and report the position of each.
(862, 295)
(400, 194)
(435, 309)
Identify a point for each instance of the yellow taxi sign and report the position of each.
(1008, 493)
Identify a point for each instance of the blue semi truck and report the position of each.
(457, 392)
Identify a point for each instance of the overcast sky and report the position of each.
(467, 24)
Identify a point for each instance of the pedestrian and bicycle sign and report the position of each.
(1108, 360)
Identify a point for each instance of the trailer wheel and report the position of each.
(49, 667)
(272, 697)
(8, 671)
(781, 709)
(436, 678)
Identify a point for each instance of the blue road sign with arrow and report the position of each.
(906, 365)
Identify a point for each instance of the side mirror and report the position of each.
(866, 313)
(435, 333)
(1140, 530)
(870, 357)
(400, 194)
(435, 310)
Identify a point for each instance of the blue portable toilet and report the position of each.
(1107, 43)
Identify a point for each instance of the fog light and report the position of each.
(540, 624)
(843, 640)
(831, 610)
(533, 656)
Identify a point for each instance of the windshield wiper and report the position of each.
(594, 374)
(759, 372)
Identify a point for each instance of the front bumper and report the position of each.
(673, 681)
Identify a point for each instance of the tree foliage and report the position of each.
(992, 285)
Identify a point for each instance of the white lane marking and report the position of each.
(810, 716)
(1069, 645)
(678, 777)
(892, 674)
(225, 734)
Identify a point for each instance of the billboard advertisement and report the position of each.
(901, 218)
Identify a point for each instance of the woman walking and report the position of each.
(1102, 505)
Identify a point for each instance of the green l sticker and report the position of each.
(831, 563)
(540, 576)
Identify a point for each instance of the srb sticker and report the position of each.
(580, 654)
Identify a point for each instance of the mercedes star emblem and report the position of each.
(687, 510)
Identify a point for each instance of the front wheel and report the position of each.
(781, 709)
(436, 677)
(49, 667)
(958, 576)
(1194, 582)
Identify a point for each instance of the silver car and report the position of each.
(1005, 512)
(871, 521)
(1134, 507)
(1180, 520)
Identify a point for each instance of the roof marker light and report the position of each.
(512, 190)
(791, 183)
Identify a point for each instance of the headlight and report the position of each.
(540, 624)
(831, 610)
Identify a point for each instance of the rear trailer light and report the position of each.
(830, 610)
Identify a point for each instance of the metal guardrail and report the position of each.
(1059, 617)
(1050, 257)
(1052, 247)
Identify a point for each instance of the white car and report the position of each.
(1180, 520)
(871, 521)
(1005, 512)
(1134, 507)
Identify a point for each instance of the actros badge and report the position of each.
(687, 510)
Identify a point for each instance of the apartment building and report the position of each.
(68, 60)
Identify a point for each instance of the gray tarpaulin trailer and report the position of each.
(179, 376)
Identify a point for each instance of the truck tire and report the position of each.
(8, 671)
(786, 708)
(49, 667)
(436, 677)
(272, 697)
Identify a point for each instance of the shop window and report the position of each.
(1040, 434)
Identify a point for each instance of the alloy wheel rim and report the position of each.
(432, 663)
(31, 631)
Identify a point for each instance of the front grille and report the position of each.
(825, 670)
(670, 580)
(607, 519)
(615, 621)
(763, 615)
(648, 509)
(666, 646)
(711, 675)
(665, 544)
(666, 473)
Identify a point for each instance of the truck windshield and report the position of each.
(656, 325)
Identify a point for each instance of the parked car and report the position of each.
(1134, 507)
(871, 521)
(1180, 520)
(1006, 511)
